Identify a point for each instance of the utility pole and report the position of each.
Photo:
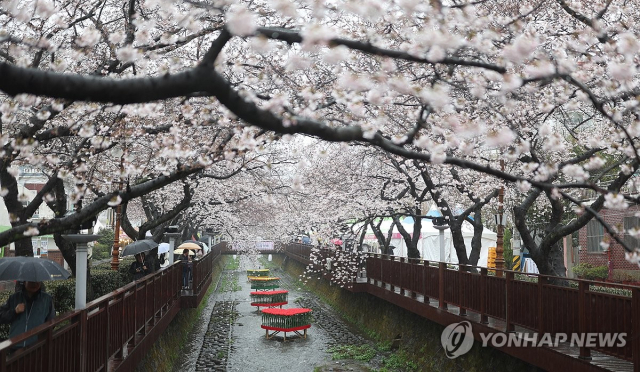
(115, 261)
(500, 229)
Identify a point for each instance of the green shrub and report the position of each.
(590, 272)
(102, 248)
(123, 269)
(101, 251)
(620, 275)
(63, 293)
(105, 281)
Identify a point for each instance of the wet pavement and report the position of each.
(228, 336)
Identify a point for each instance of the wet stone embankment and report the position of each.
(215, 346)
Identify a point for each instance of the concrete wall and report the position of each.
(420, 337)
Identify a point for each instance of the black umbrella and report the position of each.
(139, 246)
(31, 269)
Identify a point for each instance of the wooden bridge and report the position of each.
(115, 331)
(513, 302)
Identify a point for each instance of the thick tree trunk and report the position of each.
(383, 241)
(458, 243)
(476, 241)
(410, 240)
(24, 247)
(556, 257)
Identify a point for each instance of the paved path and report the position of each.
(228, 336)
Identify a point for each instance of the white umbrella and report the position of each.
(163, 248)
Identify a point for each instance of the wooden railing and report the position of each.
(202, 269)
(539, 303)
(102, 334)
(531, 301)
(106, 335)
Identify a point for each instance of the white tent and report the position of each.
(429, 243)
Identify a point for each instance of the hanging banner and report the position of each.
(264, 245)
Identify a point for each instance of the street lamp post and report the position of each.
(500, 229)
(440, 224)
(81, 241)
(115, 252)
(173, 234)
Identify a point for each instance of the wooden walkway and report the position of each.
(563, 357)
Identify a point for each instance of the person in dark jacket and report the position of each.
(26, 310)
(139, 267)
(186, 268)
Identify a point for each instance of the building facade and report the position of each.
(591, 236)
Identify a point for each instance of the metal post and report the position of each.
(441, 235)
(81, 277)
(500, 230)
(81, 241)
(172, 245)
(442, 254)
(115, 252)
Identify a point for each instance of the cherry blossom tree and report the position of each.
(443, 82)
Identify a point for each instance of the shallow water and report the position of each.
(247, 349)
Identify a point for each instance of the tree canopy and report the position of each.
(256, 107)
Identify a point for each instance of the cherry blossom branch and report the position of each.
(58, 225)
(294, 37)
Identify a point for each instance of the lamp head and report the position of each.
(171, 229)
(439, 221)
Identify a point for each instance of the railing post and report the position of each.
(49, 349)
(155, 306)
(3, 360)
(635, 330)
(83, 340)
(542, 280)
(383, 284)
(441, 268)
(483, 296)
(414, 266)
(194, 280)
(401, 276)
(583, 286)
(122, 321)
(425, 275)
(136, 310)
(144, 310)
(508, 300)
(461, 274)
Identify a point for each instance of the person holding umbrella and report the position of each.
(26, 310)
(139, 267)
(186, 268)
(30, 307)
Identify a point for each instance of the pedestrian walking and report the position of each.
(25, 310)
(186, 268)
(139, 267)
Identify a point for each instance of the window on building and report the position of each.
(595, 233)
(631, 222)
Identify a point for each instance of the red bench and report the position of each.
(286, 320)
(269, 298)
